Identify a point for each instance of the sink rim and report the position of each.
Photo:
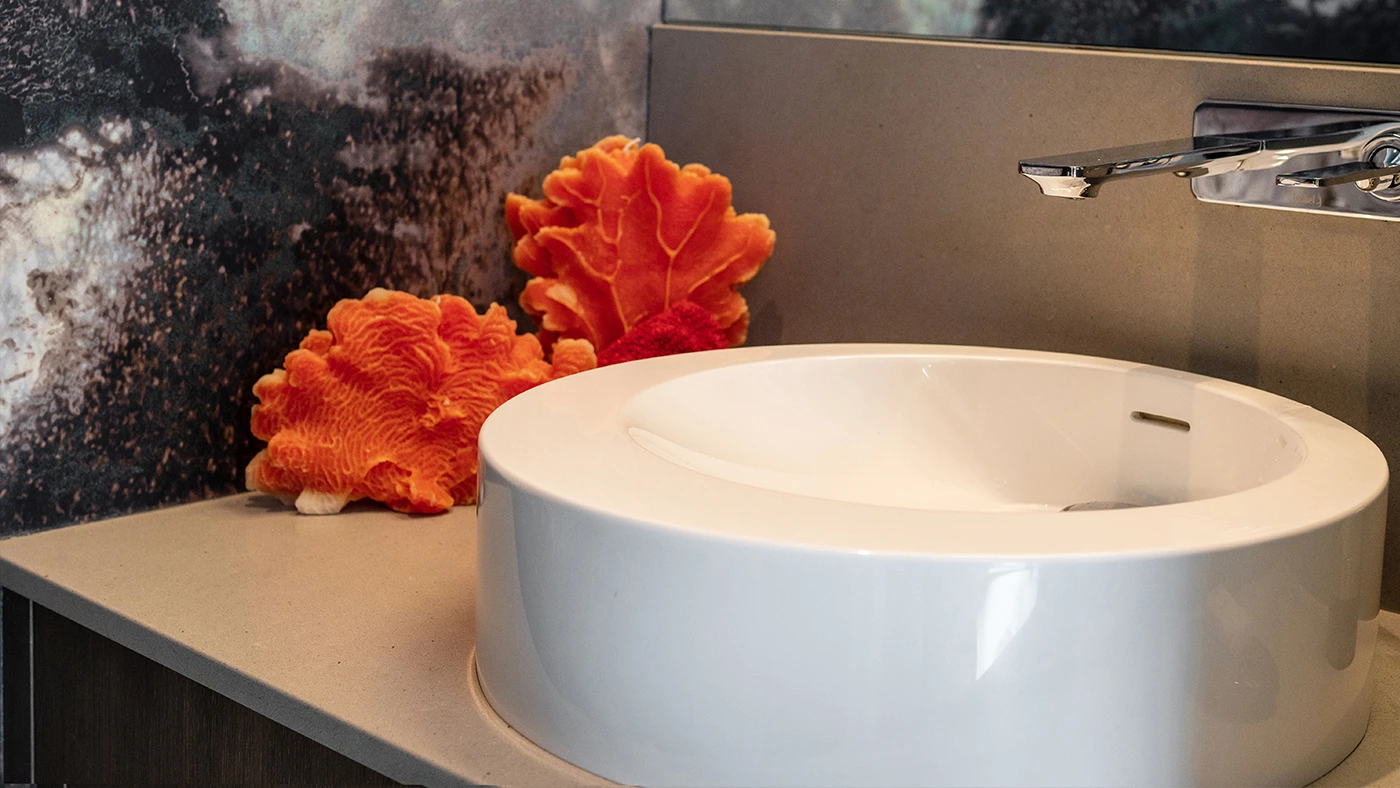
(550, 441)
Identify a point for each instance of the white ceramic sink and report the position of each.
(850, 565)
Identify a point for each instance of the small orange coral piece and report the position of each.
(622, 234)
(388, 403)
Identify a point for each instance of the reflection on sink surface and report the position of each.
(851, 565)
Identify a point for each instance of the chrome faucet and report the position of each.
(1238, 151)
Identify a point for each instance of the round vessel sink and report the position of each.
(852, 565)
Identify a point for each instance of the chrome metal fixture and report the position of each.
(1313, 159)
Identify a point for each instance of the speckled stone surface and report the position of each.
(357, 630)
(1328, 30)
(188, 186)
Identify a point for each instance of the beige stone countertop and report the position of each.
(354, 630)
(357, 630)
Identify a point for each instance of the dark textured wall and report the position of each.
(1357, 30)
(187, 186)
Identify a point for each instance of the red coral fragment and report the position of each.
(388, 403)
(684, 328)
(622, 234)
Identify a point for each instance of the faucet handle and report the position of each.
(1378, 170)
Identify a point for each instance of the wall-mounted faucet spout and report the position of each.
(1079, 175)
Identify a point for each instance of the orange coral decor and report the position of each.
(622, 235)
(388, 403)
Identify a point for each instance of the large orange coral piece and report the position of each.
(622, 234)
(388, 403)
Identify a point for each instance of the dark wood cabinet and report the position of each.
(80, 708)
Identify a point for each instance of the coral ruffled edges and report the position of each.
(387, 404)
(623, 235)
(630, 254)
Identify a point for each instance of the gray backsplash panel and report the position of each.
(1356, 30)
(888, 169)
(187, 186)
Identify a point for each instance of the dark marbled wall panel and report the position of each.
(1356, 30)
(187, 186)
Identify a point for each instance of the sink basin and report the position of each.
(924, 565)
